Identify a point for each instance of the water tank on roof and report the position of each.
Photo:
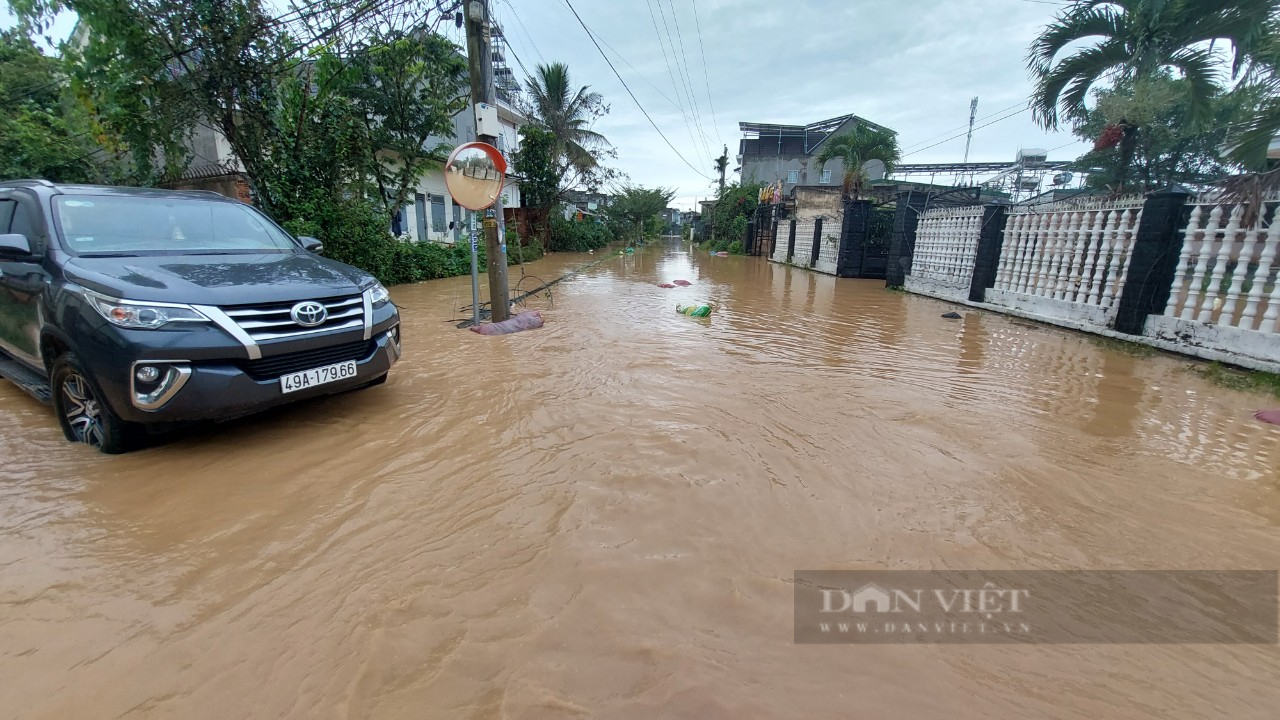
(1062, 178)
(1032, 156)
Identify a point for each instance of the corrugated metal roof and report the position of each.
(206, 170)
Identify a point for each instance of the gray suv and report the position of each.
(134, 310)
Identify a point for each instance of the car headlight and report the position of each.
(141, 315)
(378, 295)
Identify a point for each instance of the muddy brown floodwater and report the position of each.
(600, 519)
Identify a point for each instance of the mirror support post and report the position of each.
(475, 273)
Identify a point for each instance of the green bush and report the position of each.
(578, 235)
(353, 232)
(357, 234)
(735, 248)
(528, 253)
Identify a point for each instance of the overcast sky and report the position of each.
(911, 65)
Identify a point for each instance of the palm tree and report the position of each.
(721, 165)
(568, 114)
(1137, 40)
(856, 148)
(1251, 140)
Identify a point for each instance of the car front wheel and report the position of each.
(84, 416)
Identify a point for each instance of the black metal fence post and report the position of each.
(903, 247)
(853, 237)
(817, 242)
(791, 241)
(748, 241)
(773, 240)
(1154, 261)
(987, 261)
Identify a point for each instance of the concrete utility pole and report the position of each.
(478, 57)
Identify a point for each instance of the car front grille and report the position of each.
(270, 368)
(273, 321)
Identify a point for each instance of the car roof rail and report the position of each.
(28, 183)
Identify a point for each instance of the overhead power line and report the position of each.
(682, 64)
(628, 89)
(705, 76)
(639, 74)
(525, 30)
(1018, 104)
(675, 84)
(954, 137)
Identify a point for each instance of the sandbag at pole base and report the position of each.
(527, 320)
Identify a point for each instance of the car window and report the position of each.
(25, 222)
(145, 225)
(6, 214)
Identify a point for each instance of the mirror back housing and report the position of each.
(14, 245)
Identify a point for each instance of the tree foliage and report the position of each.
(568, 114)
(330, 114)
(860, 145)
(44, 133)
(576, 152)
(1137, 40)
(1252, 136)
(407, 86)
(635, 207)
(1138, 45)
(731, 213)
(1171, 149)
(721, 166)
(535, 161)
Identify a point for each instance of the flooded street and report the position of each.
(601, 518)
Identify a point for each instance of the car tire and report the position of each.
(84, 416)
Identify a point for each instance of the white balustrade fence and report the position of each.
(947, 244)
(1067, 260)
(945, 251)
(1225, 293)
(1227, 273)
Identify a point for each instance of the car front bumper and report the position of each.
(221, 389)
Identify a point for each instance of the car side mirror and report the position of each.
(311, 244)
(16, 246)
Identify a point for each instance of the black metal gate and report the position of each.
(875, 249)
(760, 231)
(865, 239)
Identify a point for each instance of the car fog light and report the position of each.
(148, 374)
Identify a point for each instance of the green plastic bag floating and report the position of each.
(703, 310)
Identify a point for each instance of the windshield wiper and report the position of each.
(108, 254)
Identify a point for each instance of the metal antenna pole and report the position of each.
(973, 113)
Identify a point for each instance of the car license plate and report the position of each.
(317, 376)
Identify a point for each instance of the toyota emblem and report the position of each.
(309, 313)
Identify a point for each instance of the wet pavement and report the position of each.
(601, 518)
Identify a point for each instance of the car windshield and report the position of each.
(122, 225)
